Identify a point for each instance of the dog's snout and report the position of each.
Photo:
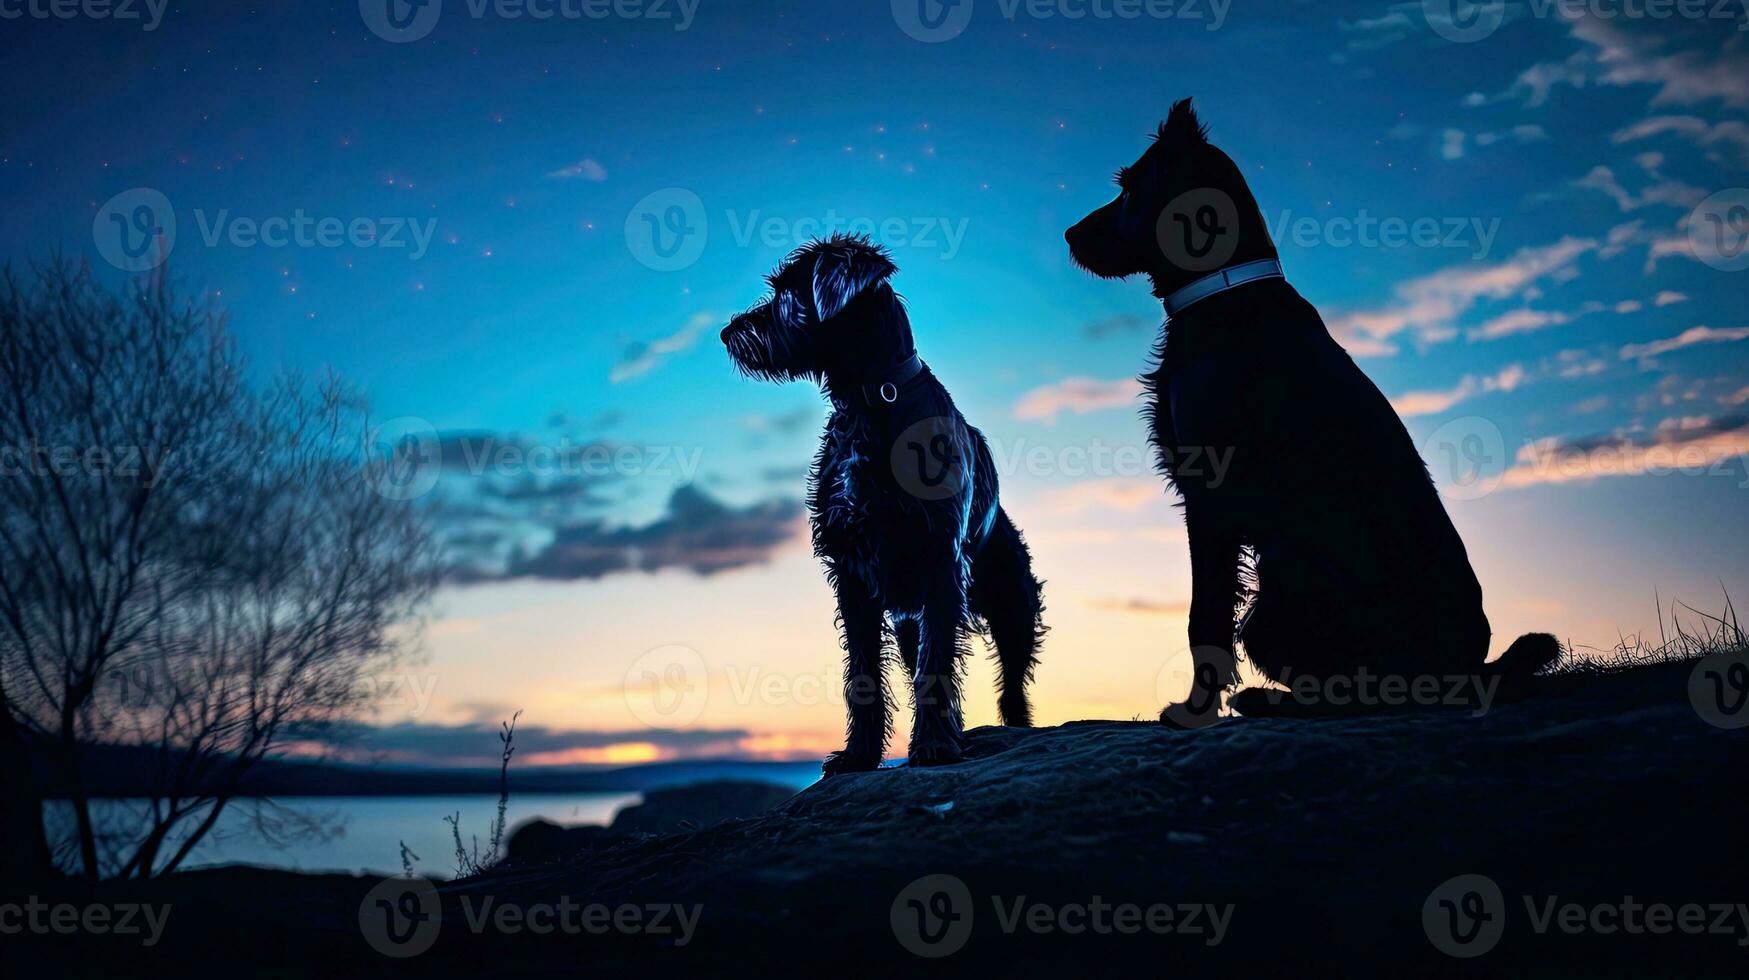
(735, 326)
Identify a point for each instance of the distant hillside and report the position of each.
(119, 771)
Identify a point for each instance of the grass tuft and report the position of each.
(1702, 635)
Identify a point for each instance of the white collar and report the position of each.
(1220, 282)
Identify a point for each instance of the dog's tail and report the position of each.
(1010, 599)
(1527, 655)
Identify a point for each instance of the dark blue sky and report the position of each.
(490, 188)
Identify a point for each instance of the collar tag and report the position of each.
(886, 390)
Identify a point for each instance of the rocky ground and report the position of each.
(1589, 829)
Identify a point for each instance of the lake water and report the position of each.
(361, 833)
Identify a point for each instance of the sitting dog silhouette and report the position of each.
(1286, 455)
(902, 500)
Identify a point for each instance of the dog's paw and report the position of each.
(1259, 702)
(935, 752)
(844, 761)
(1184, 716)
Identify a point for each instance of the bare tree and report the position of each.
(221, 548)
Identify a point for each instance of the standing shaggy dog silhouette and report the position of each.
(903, 501)
(1296, 473)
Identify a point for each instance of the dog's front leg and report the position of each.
(936, 724)
(865, 696)
(1214, 593)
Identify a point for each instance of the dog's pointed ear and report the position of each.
(844, 268)
(1182, 128)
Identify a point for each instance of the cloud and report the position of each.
(1682, 77)
(1120, 323)
(1672, 193)
(1517, 321)
(1407, 19)
(1116, 493)
(1451, 145)
(1669, 297)
(1527, 320)
(642, 357)
(508, 505)
(783, 423)
(1693, 444)
(1738, 397)
(1617, 58)
(1433, 402)
(585, 169)
(412, 743)
(698, 533)
(1535, 83)
(1573, 364)
(1730, 134)
(1428, 305)
(1523, 133)
(1687, 338)
(1077, 395)
(1146, 607)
